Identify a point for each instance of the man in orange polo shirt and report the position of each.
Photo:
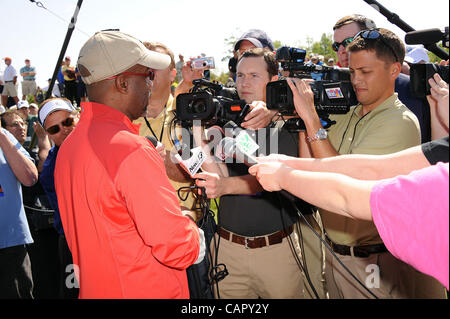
(123, 223)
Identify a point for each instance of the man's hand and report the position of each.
(190, 75)
(439, 99)
(213, 184)
(39, 130)
(259, 116)
(303, 98)
(161, 149)
(270, 175)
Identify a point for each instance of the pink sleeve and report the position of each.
(411, 214)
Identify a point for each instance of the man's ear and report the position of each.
(121, 84)
(396, 69)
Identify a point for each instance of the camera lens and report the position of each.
(199, 106)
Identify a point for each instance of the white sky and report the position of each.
(186, 26)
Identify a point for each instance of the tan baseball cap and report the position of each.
(109, 53)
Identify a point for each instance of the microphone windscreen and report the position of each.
(429, 36)
(152, 140)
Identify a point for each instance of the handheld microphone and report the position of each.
(232, 150)
(232, 129)
(152, 140)
(429, 36)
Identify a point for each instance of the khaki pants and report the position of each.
(29, 88)
(270, 272)
(386, 276)
(9, 89)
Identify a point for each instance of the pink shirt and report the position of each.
(411, 215)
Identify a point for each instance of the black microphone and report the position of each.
(429, 36)
(152, 140)
(232, 150)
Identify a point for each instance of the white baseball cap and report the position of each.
(109, 53)
(22, 104)
(417, 55)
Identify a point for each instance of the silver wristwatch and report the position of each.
(321, 134)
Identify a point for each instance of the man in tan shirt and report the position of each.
(380, 124)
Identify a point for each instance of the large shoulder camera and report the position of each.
(212, 104)
(421, 73)
(332, 95)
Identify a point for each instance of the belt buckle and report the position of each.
(246, 243)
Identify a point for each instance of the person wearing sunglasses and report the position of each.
(121, 217)
(57, 118)
(379, 124)
(345, 31)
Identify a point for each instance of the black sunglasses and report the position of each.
(68, 122)
(374, 34)
(345, 43)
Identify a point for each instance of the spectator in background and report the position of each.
(43, 252)
(417, 55)
(70, 83)
(253, 38)
(344, 31)
(16, 166)
(55, 92)
(81, 89)
(58, 117)
(28, 74)
(330, 63)
(179, 67)
(60, 78)
(9, 83)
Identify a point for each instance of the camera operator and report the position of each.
(344, 31)
(254, 225)
(380, 124)
(160, 113)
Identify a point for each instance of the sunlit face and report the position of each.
(373, 79)
(17, 127)
(56, 119)
(251, 79)
(345, 32)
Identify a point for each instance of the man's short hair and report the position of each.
(388, 46)
(9, 115)
(363, 22)
(153, 46)
(269, 58)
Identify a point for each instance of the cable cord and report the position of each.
(301, 265)
(328, 246)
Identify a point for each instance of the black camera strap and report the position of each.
(162, 127)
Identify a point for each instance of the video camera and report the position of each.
(332, 95)
(422, 72)
(210, 103)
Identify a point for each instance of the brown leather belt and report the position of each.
(256, 242)
(358, 251)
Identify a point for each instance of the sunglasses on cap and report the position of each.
(68, 122)
(374, 34)
(345, 43)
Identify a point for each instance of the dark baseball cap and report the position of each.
(258, 37)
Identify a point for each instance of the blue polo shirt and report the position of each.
(14, 230)
(28, 69)
(47, 180)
